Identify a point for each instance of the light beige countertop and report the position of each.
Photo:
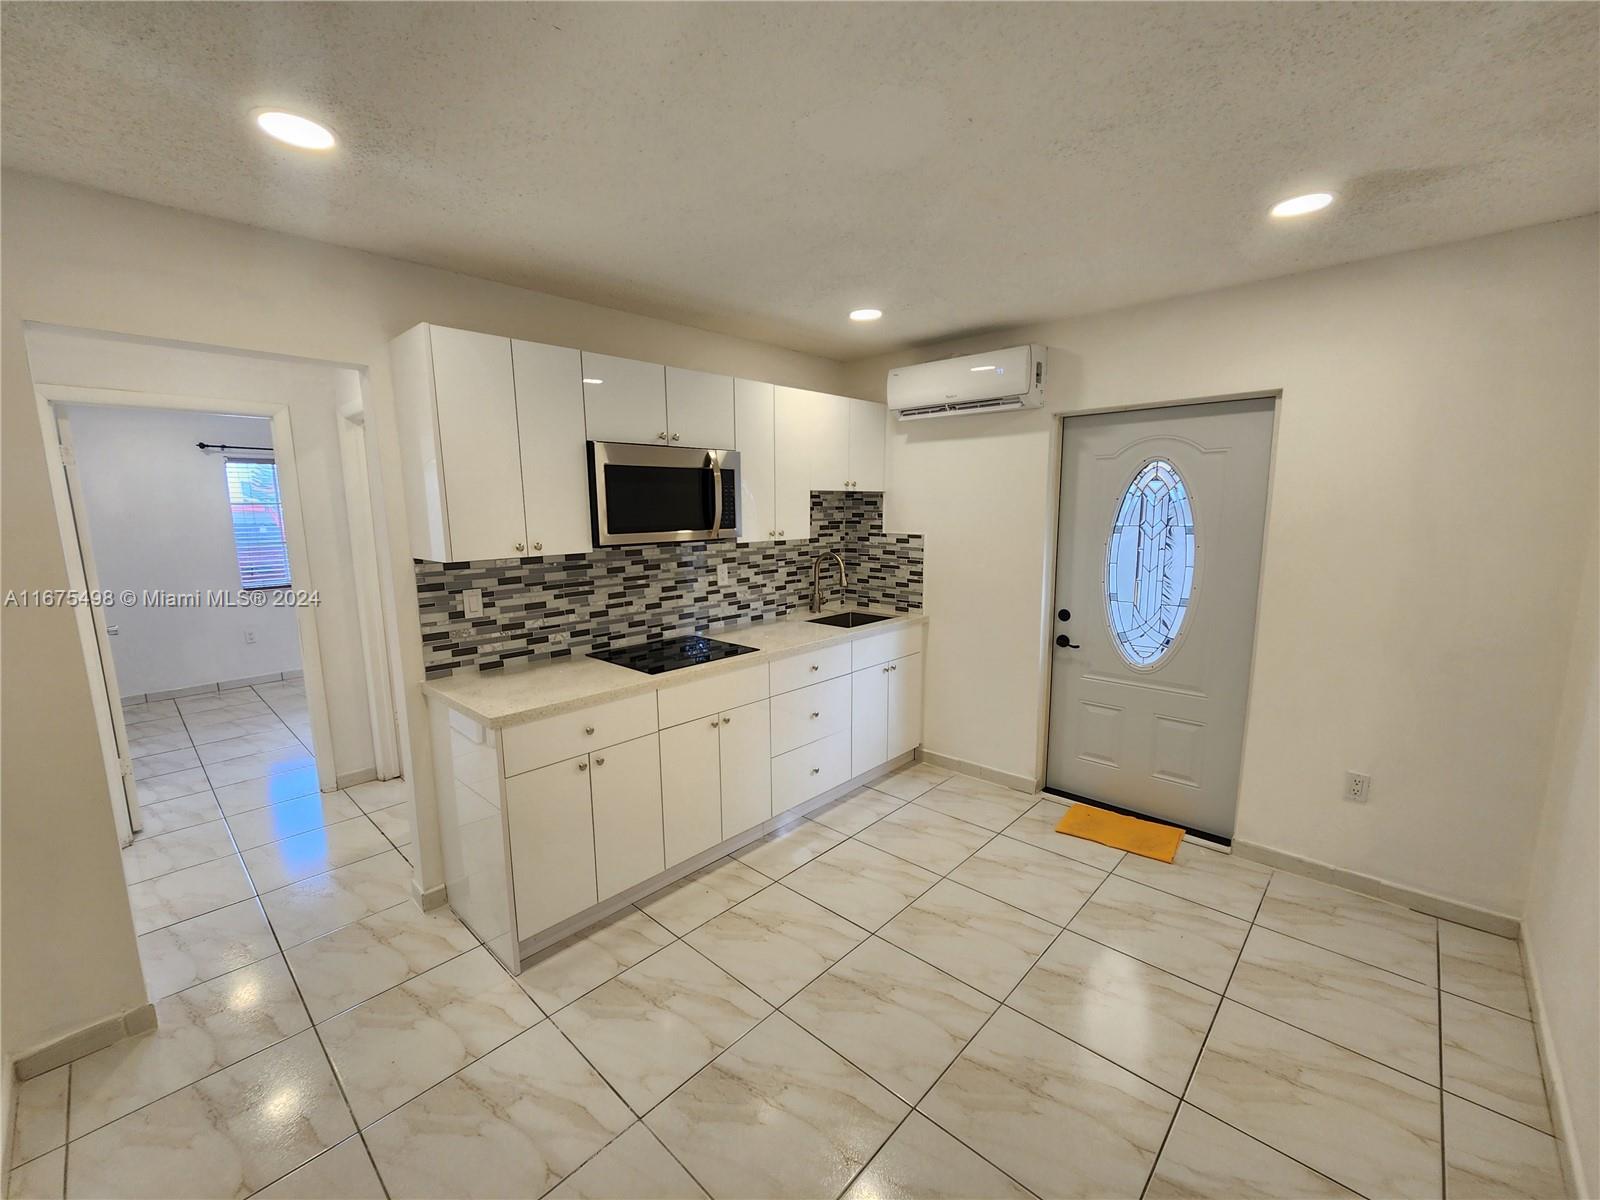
(543, 689)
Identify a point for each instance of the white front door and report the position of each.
(1162, 513)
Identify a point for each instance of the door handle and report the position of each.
(1067, 643)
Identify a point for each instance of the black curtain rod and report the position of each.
(225, 446)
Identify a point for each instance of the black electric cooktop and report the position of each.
(669, 654)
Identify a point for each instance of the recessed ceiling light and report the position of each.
(295, 130)
(1299, 206)
(866, 314)
(594, 380)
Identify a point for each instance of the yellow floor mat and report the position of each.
(1148, 838)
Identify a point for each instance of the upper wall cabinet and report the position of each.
(868, 430)
(700, 409)
(624, 400)
(753, 416)
(555, 468)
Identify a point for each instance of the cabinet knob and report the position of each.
(714, 722)
(816, 666)
(780, 533)
(662, 436)
(583, 766)
(814, 716)
(894, 666)
(727, 720)
(589, 729)
(538, 546)
(816, 770)
(886, 670)
(519, 547)
(599, 762)
(676, 437)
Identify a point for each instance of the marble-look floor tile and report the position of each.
(342, 1173)
(379, 794)
(701, 895)
(257, 766)
(634, 1167)
(143, 742)
(204, 947)
(911, 781)
(394, 823)
(1225, 882)
(1059, 1120)
(582, 962)
(341, 969)
(511, 1124)
(977, 802)
(785, 849)
(264, 741)
(1382, 934)
(1138, 1016)
(274, 822)
(1207, 1160)
(153, 766)
(323, 903)
(892, 1015)
(151, 710)
(228, 1135)
(250, 794)
(168, 899)
(925, 838)
(402, 1042)
(169, 852)
(1492, 1059)
(42, 1178)
(316, 852)
(226, 728)
(40, 1124)
(170, 787)
(981, 941)
(199, 1030)
(659, 1022)
(1489, 1157)
(1385, 1016)
(1047, 885)
(1177, 935)
(181, 812)
(1369, 1127)
(776, 942)
(861, 883)
(853, 813)
(923, 1162)
(777, 1115)
(1483, 967)
(1037, 827)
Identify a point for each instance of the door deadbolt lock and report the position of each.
(1064, 614)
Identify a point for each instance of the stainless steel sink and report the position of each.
(849, 620)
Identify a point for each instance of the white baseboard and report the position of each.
(92, 1037)
(428, 898)
(1021, 783)
(1383, 889)
(1555, 1082)
(221, 685)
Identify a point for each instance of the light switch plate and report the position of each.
(472, 602)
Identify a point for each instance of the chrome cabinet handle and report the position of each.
(814, 716)
(676, 437)
(599, 762)
(816, 666)
(886, 670)
(816, 770)
(894, 666)
(519, 546)
(662, 436)
(727, 720)
(780, 533)
(583, 766)
(588, 729)
(713, 722)
(538, 545)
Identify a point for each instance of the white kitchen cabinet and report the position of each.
(806, 773)
(700, 409)
(868, 432)
(552, 843)
(746, 760)
(752, 422)
(793, 424)
(810, 713)
(624, 400)
(691, 787)
(555, 470)
(830, 446)
(625, 783)
(869, 718)
(905, 705)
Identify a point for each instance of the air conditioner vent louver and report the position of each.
(996, 381)
(963, 408)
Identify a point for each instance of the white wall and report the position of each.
(1435, 456)
(157, 512)
(81, 258)
(1561, 921)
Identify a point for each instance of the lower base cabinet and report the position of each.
(809, 771)
(625, 784)
(905, 705)
(745, 755)
(716, 778)
(885, 712)
(552, 843)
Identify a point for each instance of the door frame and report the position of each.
(49, 396)
(1053, 551)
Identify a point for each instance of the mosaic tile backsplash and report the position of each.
(537, 608)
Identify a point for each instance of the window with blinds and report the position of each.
(257, 514)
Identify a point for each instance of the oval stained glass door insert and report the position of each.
(1150, 559)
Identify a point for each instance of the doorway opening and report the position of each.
(1162, 514)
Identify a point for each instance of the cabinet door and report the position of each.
(746, 767)
(905, 705)
(552, 844)
(624, 400)
(869, 718)
(691, 792)
(477, 413)
(555, 470)
(830, 457)
(625, 781)
(700, 409)
(794, 426)
(868, 429)
(752, 424)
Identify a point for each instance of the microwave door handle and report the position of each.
(716, 494)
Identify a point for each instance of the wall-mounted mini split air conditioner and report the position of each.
(999, 381)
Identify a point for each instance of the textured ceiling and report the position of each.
(763, 168)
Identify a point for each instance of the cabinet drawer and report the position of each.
(811, 666)
(551, 739)
(729, 689)
(810, 714)
(809, 771)
(881, 647)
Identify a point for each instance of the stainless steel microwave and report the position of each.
(644, 494)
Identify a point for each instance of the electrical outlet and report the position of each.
(472, 602)
(249, 637)
(725, 575)
(1357, 787)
